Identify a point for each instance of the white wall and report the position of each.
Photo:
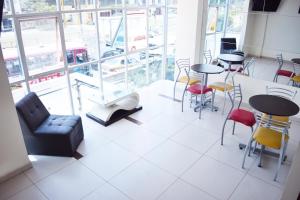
(268, 34)
(189, 33)
(13, 155)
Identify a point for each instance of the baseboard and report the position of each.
(16, 172)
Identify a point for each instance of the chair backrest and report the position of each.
(32, 110)
(228, 45)
(279, 59)
(270, 123)
(183, 66)
(207, 56)
(282, 92)
(246, 70)
(229, 78)
(235, 95)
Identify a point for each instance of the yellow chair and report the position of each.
(272, 134)
(282, 92)
(225, 86)
(184, 75)
(296, 80)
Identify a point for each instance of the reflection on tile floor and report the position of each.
(172, 156)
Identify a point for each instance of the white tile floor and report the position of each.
(171, 156)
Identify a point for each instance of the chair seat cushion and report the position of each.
(192, 81)
(58, 125)
(197, 89)
(269, 137)
(242, 116)
(286, 73)
(221, 86)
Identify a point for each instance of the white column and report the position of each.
(191, 23)
(13, 155)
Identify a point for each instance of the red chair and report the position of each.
(282, 72)
(238, 114)
(197, 90)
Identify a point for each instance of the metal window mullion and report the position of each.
(226, 18)
(99, 53)
(147, 47)
(22, 52)
(165, 44)
(126, 45)
(64, 52)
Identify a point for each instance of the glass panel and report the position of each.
(33, 6)
(157, 2)
(10, 51)
(87, 4)
(6, 8)
(155, 64)
(84, 86)
(110, 3)
(112, 34)
(18, 91)
(113, 74)
(136, 29)
(42, 45)
(221, 19)
(80, 37)
(53, 92)
(68, 4)
(156, 27)
(135, 2)
(211, 20)
(210, 44)
(137, 70)
(172, 14)
(235, 19)
(171, 49)
(172, 2)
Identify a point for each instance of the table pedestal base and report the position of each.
(206, 104)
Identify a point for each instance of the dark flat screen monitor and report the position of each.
(1, 12)
(265, 5)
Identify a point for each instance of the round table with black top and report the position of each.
(207, 69)
(230, 58)
(273, 105)
(296, 60)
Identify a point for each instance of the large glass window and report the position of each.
(80, 31)
(136, 29)
(225, 19)
(42, 45)
(105, 46)
(10, 51)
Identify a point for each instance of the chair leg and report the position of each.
(245, 154)
(182, 100)
(280, 158)
(224, 125)
(200, 108)
(213, 99)
(191, 100)
(224, 103)
(284, 151)
(174, 90)
(233, 128)
(260, 155)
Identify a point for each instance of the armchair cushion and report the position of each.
(32, 110)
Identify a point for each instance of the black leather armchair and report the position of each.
(46, 134)
(228, 46)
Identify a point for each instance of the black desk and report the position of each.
(296, 60)
(229, 58)
(207, 69)
(273, 105)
